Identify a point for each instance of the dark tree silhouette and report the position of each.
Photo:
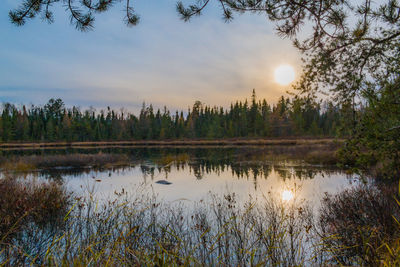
(82, 13)
(55, 122)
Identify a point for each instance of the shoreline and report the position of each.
(173, 143)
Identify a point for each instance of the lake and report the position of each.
(194, 173)
(221, 205)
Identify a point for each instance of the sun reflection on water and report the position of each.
(287, 195)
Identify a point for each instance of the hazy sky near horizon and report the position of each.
(163, 60)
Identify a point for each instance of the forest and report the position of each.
(289, 117)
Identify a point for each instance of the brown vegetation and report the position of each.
(312, 154)
(360, 225)
(25, 202)
(356, 227)
(183, 142)
(308, 153)
(29, 163)
(140, 230)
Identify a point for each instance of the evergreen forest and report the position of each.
(289, 117)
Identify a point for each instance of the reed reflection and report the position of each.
(254, 171)
(193, 172)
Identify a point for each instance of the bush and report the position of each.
(25, 205)
(358, 225)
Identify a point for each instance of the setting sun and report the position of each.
(284, 74)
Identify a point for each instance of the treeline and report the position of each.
(252, 119)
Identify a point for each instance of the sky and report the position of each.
(162, 60)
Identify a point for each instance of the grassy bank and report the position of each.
(79, 160)
(221, 142)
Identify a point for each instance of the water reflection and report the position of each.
(199, 169)
(186, 183)
(287, 195)
(195, 172)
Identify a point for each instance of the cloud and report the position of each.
(162, 61)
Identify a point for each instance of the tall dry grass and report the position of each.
(140, 230)
(355, 227)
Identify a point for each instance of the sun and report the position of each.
(284, 74)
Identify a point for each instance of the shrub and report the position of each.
(358, 225)
(25, 205)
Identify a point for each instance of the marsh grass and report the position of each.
(76, 160)
(46, 226)
(140, 230)
(318, 153)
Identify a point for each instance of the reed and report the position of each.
(356, 227)
(140, 230)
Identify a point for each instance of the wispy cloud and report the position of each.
(162, 61)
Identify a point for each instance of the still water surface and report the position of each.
(194, 173)
(282, 181)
